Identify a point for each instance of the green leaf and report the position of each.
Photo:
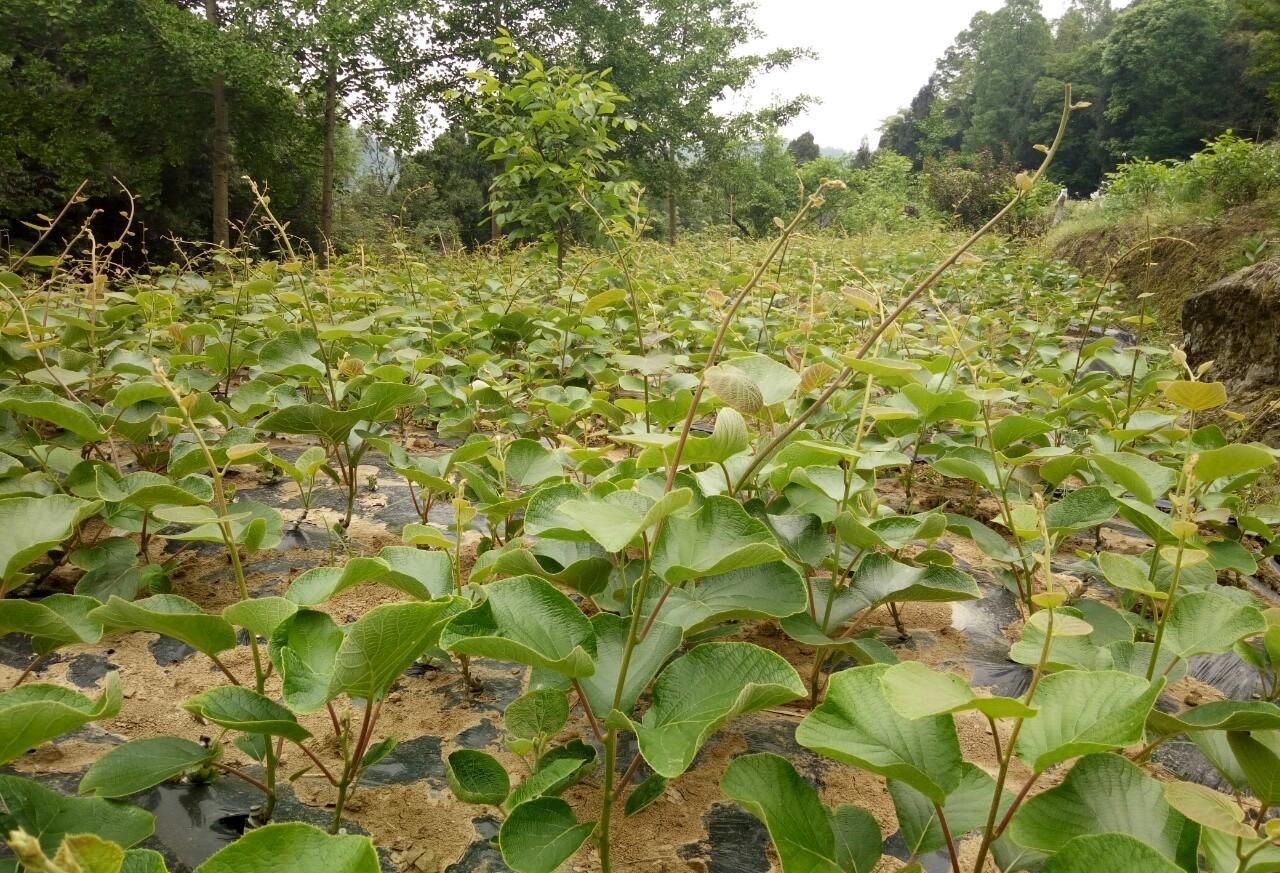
(765, 591)
(1128, 572)
(303, 649)
(33, 713)
(1083, 712)
(1218, 715)
(799, 825)
(291, 354)
(1081, 509)
(1143, 478)
(916, 691)
(1202, 623)
(34, 401)
(736, 390)
(1195, 396)
(618, 519)
(1105, 794)
(1109, 853)
(477, 777)
(647, 658)
(1220, 851)
(541, 713)
(1016, 428)
(171, 616)
(421, 574)
(645, 793)
(1260, 764)
(316, 419)
(965, 809)
(528, 621)
(776, 381)
(700, 691)
(1209, 808)
(146, 490)
(34, 525)
(261, 615)
(50, 817)
(111, 567)
(1232, 460)
(540, 835)
(857, 724)
(719, 537)
(382, 644)
(139, 764)
(294, 847)
(880, 579)
(245, 710)
(57, 620)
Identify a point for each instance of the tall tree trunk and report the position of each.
(327, 170)
(220, 147)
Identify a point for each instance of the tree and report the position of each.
(803, 149)
(1256, 29)
(863, 156)
(549, 129)
(1013, 53)
(369, 61)
(676, 59)
(1163, 67)
(99, 90)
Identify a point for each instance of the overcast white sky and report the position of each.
(873, 55)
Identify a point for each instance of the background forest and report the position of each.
(354, 113)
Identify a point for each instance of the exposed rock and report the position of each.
(1235, 323)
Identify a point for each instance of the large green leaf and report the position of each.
(539, 713)
(50, 816)
(880, 579)
(965, 809)
(316, 419)
(171, 616)
(857, 724)
(719, 537)
(304, 649)
(1143, 478)
(1203, 622)
(245, 710)
(31, 714)
(291, 354)
(1109, 853)
(1083, 508)
(35, 401)
(540, 835)
(703, 689)
(477, 777)
(772, 590)
(1218, 715)
(1082, 712)
(147, 490)
(34, 525)
(1220, 851)
(382, 644)
(1260, 765)
(294, 847)
(1106, 794)
(260, 615)
(420, 574)
(1232, 460)
(526, 620)
(618, 519)
(647, 658)
(916, 691)
(1208, 808)
(57, 620)
(802, 829)
(139, 764)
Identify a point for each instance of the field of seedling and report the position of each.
(813, 555)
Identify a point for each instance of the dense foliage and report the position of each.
(665, 456)
(1162, 75)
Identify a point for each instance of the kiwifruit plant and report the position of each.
(669, 488)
